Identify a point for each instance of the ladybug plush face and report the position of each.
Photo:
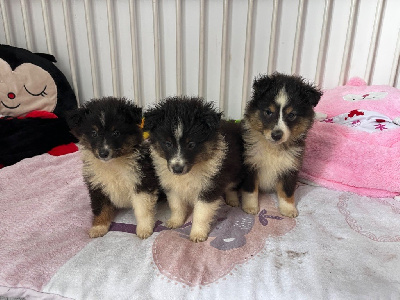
(26, 88)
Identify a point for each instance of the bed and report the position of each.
(342, 245)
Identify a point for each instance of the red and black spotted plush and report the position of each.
(34, 95)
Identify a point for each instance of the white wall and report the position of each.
(237, 20)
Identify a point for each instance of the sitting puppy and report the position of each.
(197, 158)
(275, 125)
(117, 166)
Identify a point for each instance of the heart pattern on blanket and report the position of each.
(235, 239)
(354, 208)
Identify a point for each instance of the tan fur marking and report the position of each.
(98, 231)
(254, 121)
(300, 129)
(203, 215)
(286, 204)
(101, 223)
(288, 110)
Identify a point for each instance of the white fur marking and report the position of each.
(178, 131)
(282, 100)
(103, 118)
(177, 159)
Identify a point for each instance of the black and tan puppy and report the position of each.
(275, 125)
(117, 166)
(197, 158)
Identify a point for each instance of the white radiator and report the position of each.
(146, 50)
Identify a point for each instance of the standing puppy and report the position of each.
(117, 166)
(275, 125)
(197, 158)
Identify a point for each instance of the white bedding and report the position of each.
(342, 246)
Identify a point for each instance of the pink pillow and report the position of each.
(356, 147)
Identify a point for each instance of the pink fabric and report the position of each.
(44, 216)
(343, 158)
(237, 238)
(333, 101)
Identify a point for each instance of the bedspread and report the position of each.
(342, 245)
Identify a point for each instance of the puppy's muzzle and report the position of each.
(104, 154)
(277, 135)
(178, 168)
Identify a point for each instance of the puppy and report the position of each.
(275, 126)
(117, 166)
(197, 158)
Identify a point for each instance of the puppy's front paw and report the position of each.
(174, 223)
(198, 236)
(253, 210)
(232, 198)
(288, 211)
(234, 202)
(98, 231)
(144, 232)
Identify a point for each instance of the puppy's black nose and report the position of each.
(104, 153)
(177, 169)
(276, 135)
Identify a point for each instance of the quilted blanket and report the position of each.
(342, 245)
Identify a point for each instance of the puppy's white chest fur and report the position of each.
(118, 177)
(269, 160)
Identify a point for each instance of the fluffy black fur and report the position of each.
(191, 145)
(115, 158)
(275, 127)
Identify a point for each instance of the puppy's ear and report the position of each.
(312, 94)
(212, 120)
(262, 84)
(74, 120)
(133, 114)
(153, 118)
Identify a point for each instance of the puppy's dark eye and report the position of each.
(291, 116)
(168, 144)
(116, 133)
(94, 133)
(191, 145)
(267, 112)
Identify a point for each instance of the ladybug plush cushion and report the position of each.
(34, 97)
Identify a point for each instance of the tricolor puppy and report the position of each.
(117, 166)
(275, 125)
(197, 158)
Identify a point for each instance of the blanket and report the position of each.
(342, 245)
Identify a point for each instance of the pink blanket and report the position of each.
(44, 217)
